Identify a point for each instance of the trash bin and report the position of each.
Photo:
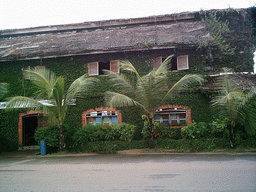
(43, 147)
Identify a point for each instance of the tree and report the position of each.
(236, 104)
(148, 92)
(52, 88)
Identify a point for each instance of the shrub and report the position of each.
(121, 131)
(111, 146)
(9, 139)
(195, 144)
(195, 130)
(51, 136)
(125, 130)
(217, 128)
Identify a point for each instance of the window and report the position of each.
(27, 68)
(171, 116)
(101, 117)
(177, 63)
(97, 68)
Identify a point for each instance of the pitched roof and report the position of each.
(155, 32)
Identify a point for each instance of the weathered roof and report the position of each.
(244, 80)
(156, 32)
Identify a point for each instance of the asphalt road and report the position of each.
(120, 172)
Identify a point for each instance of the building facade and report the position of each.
(89, 48)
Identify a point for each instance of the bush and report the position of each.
(126, 131)
(9, 138)
(121, 131)
(195, 130)
(111, 146)
(195, 144)
(217, 128)
(51, 136)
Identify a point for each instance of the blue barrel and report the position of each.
(43, 147)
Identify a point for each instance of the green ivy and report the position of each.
(9, 140)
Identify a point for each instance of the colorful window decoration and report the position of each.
(101, 118)
(171, 116)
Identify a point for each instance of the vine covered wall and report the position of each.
(73, 67)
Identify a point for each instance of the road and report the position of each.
(120, 172)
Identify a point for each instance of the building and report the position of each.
(75, 49)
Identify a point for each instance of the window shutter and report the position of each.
(27, 68)
(182, 62)
(157, 62)
(114, 66)
(93, 68)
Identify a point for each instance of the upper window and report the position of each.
(97, 68)
(177, 63)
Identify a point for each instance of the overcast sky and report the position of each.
(31, 13)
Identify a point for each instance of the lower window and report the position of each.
(101, 118)
(171, 116)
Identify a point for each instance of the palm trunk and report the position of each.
(232, 136)
(61, 139)
(151, 143)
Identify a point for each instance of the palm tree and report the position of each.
(52, 88)
(148, 92)
(234, 103)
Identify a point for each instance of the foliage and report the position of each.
(202, 130)
(195, 130)
(121, 131)
(9, 139)
(3, 89)
(52, 88)
(50, 134)
(110, 146)
(218, 45)
(148, 91)
(234, 103)
(192, 145)
(125, 130)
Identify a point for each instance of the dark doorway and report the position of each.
(29, 126)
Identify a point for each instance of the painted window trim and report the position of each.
(188, 113)
(84, 117)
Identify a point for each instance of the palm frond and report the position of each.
(164, 67)
(185, 82)
(114, 99)
(44, 79)
(80, 86)
(151, 89)
(126, 65)
(24, 102)
(122, 84)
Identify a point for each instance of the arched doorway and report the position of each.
(28, 124)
